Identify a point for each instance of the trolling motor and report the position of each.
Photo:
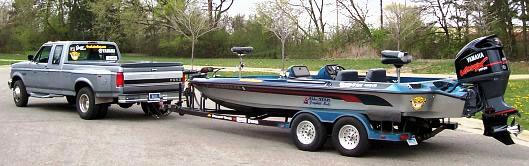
(241, 52)
(396, 58)
(482, 65)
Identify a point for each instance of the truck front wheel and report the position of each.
(20, 95)
(86, 106)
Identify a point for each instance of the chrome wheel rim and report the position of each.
(17, 94)
(306, 132)
(84, 103)
(349, 137)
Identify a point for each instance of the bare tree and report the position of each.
(278, 22)
(404, 23)
(215, 10)
(440, 10)
(5, 7)
(358, 14)
(187, 19)
(314, 10)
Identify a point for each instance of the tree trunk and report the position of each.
(524, 28)
(192, 52)
(283, 54)
(210, 11)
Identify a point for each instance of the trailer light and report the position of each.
(120, 79)
(404, 137)
(183, 78)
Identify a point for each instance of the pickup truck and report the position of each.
(91, 75)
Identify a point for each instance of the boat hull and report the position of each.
(377, 105)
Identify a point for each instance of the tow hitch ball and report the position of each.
(497, 126)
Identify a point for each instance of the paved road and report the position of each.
(50, 132)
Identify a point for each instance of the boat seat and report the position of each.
(298, 72)
(376, 75)
(347, 75)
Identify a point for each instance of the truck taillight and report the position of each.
(183, 78)
(120, 79)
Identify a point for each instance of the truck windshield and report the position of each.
(92, 52)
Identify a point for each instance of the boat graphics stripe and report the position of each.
(348, 97)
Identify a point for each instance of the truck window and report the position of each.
(43, 55)
(57, 54)
(92, 52)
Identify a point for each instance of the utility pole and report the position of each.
(381, 15)
(337, 15)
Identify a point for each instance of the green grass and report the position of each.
(517, 95)
(418, 66)
(244, 73)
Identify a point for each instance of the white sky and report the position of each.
(248, 7)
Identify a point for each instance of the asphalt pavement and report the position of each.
(50, 132)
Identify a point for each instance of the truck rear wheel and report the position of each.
(20, 95)
(86, 106)
(307, 132)
(349, 137)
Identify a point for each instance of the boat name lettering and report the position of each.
(311, 100)
(357, 85)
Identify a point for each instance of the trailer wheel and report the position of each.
(86, 106)
(20, 95)
(350, 137)
(308, 133)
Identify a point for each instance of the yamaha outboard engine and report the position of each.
(482, 65)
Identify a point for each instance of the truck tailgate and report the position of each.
(151, 77)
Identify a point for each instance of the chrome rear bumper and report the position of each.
(144, 98)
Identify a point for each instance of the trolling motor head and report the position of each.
(396, 58)
(241, 52)
(483, 64)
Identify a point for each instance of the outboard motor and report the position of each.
(482, 65)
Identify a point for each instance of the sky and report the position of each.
(248, 7)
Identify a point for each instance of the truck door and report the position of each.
(54, 73)
(36, 79)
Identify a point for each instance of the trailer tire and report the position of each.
(307, 132)
(20, 95)
(349, 137)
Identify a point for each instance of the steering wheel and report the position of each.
(333, 70)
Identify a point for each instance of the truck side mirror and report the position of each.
(30, 57)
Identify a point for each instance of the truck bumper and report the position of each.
(144, 97)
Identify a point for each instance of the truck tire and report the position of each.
(146, 109)
(71, 100)
(20, 95)
(86, 106)
(308, 133)
(102, 112)
(349, 137)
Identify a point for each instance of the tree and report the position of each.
(277, 22)
(187, 19)
(5, 8)
(440, 10)
(314, 10)
(357, 14)
(404, 24)
(215, 11)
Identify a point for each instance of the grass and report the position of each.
(418, 66)
(517, 95)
